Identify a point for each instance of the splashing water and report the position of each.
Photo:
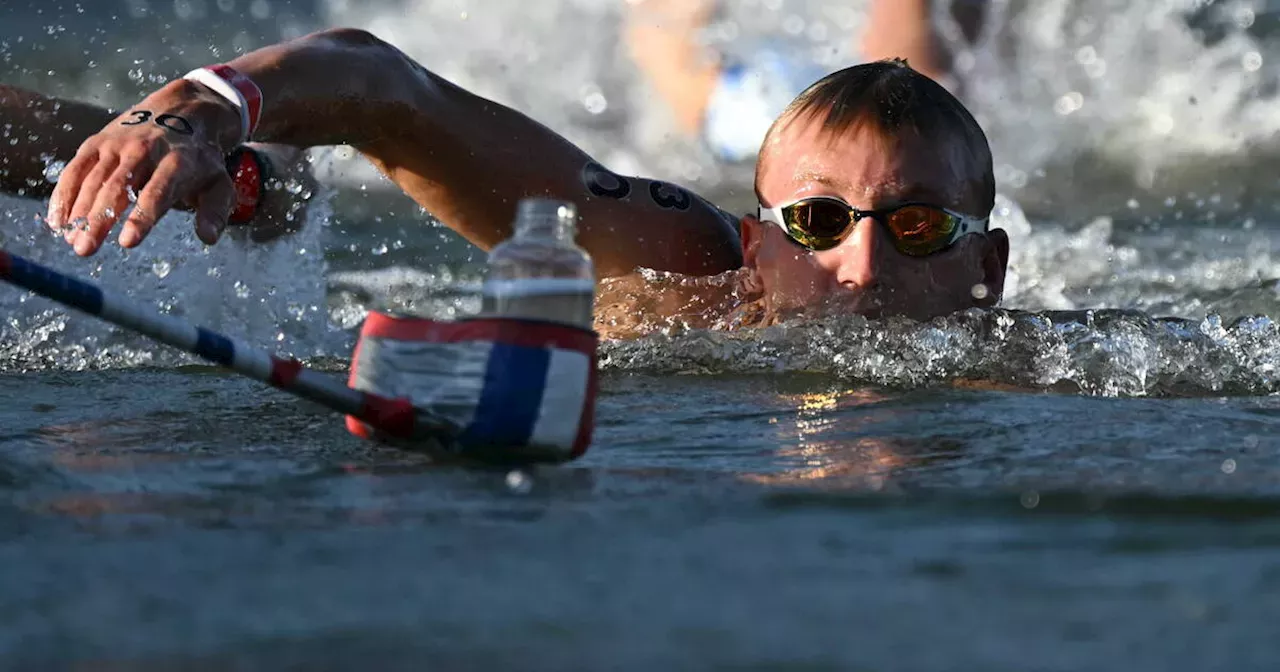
(264, 294)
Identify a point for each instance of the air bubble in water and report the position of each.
(1228, 466)
(242, 290)
(161, 268)
(980, 291)
(379, 249)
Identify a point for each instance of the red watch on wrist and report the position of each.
(249, 171)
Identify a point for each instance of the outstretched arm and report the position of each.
(664, 38)
(465, 159)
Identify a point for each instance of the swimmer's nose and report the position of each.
(863, 256)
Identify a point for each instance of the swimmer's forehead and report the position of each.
(867, 166)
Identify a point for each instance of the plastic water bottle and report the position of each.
(540, 273)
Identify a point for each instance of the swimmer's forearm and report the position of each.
(466, 159)
(46, 129)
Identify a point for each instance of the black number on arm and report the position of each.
(176, 124)
(669, 196)
(139, 117)
(601, 182)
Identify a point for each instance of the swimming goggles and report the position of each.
(917, 229)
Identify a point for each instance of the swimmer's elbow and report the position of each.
(387, 79)
(350, 37)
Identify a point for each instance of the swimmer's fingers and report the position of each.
(178, 175)
(111, 202)
(67, 190)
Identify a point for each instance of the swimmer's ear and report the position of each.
(995, 262)
(752, 234)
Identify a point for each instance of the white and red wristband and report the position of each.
(248, 169)
(238, 89)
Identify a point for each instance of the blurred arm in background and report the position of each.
(731, 104)
(49, 130)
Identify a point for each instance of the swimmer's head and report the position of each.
(876, 137)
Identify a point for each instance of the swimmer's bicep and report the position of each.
(655, 224)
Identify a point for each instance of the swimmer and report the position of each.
(874, 184)
(49, 130)
(727, 98)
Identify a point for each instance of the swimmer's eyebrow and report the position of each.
(912, 193)
(824, 179)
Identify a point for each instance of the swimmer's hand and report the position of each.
(168, 150)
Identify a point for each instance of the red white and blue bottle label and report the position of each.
(523, 385)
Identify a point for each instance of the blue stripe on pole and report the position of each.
(54, 285)
(214, 347)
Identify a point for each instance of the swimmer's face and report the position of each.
(865, 273)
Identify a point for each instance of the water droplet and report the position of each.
(1069, 103)
(1030, 499)
(161, 268)
(260, 9)
(53, 170)
(519, 482)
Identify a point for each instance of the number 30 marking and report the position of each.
(168, 121)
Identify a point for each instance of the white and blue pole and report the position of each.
(395, 417)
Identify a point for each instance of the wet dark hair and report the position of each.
(894, 98)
